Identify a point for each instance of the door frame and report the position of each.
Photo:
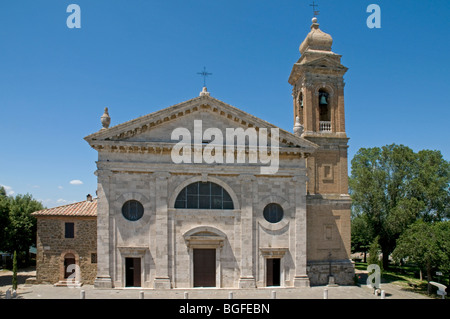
(218, 265)
(205, 237)
(271, 253)
(62, 268)
(132, 252)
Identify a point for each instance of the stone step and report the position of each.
(67, 283)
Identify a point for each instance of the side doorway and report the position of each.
(273, 272)
(132, 272)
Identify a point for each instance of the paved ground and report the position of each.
(340, 292)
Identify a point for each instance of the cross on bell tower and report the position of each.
(315, 12)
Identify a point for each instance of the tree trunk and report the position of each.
(365, 257)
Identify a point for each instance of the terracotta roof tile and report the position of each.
(82, 209)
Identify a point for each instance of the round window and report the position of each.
(273, 213)
(132, 210)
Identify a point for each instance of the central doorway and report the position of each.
(204, 267)
(273, 272)
(132, 272)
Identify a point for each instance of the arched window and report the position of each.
(201, 195)
(324, 112)
(273, 213)
(324, 108)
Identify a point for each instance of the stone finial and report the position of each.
(298, 128)
(105, 119)
(316, 39)
(204, 92)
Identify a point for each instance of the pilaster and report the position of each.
(103, 279)
(247, 278)
(162, 279)
(300, 277)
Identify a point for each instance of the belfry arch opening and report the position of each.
(324, 111)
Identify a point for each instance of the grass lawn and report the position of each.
(405, 277)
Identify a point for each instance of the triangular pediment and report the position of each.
(157, 127)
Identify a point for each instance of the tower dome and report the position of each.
(316, 39)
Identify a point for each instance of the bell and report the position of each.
(323, 100)
(301, 103)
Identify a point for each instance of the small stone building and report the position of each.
(66, 239)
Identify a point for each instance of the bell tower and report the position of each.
(318, 92)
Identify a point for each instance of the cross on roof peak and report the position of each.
(204, 74)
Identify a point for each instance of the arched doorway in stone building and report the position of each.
(69, 269)
(205, 245)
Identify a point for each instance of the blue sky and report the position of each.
(136, 57)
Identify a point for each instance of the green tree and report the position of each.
(4, 217)
(392, 187)
(374, 253)
(360, 237)
(443, 234)
(2, 192)
(426, 245)
(20, 229)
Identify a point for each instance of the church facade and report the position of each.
(170, 217)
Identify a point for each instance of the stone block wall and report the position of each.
(52, 246)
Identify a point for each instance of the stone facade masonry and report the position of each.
(52, 247)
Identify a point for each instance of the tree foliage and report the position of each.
(374, 253)
(392, 187)
(361, 240)
(17, 224)
(427, 245)
(4, 216)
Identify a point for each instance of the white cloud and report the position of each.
(76, 182)
(8, 189)
(60, 187)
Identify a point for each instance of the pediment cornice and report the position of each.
(118, 135)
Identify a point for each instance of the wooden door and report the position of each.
(67, 262)
(273, 272)
(204, 267)
(132, 272)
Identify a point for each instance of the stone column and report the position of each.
(103, 279)
(341, 108)
(247, 278)
(300, 277)
(162, 279)
(308, 102)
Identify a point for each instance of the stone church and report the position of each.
(162, 223)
